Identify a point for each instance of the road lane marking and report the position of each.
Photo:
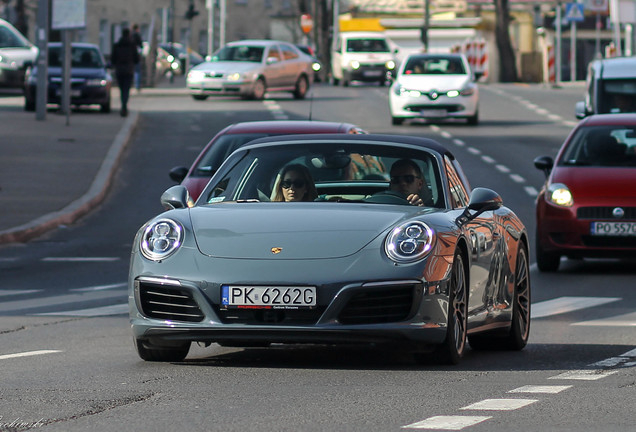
(79, 259)
(502, 168)
(563, 305)
(549, 389)
(473, 150)
(28, 354)
(626, 320)
(117, 309)
(488, 159)
(500, 404)
(531, 191)
(459, 142)
(100, 287)
(584, 375)
(447, 422)
(18, 292)
(46, 302)
(517, 178)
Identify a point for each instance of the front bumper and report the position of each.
(11, 77)
(567, 231)
(220, 87)
(367, 73)
(406, 106)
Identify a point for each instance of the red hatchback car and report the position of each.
(232, 137)
(587, 207)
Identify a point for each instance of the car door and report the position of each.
(293, 65)
(483, 241)
(273, 68)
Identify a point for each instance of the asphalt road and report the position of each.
(63, 368)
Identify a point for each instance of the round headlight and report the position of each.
(390, 64)
(161, 239)
(559, 194)
(234, 76)
(355, 64)
(409, 242)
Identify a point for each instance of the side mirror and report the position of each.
(271, 60)
(175, 198)
(579, 110)
(545, 164)
(178, 173)
(481, 200)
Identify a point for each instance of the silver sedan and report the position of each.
(251, 68)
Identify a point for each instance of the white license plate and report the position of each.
(372, 73)
(613, 229)
(433, 113)
(267, 297)
(74, 93)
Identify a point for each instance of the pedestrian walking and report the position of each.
(124, 59)
(136, 36)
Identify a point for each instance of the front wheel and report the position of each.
(396, 121)
(546, 261)
(453, 347)
(149, 352)
(302, 85)
(199, 97)
(259, 90)
(473, 120)
(105, 107)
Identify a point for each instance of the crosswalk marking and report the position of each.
(626, 320)
(540, 389)
(117, 309)
(17, 305)
(447, 422)
(568, 304)
(500, 404)
(28, 354)
(584, 375)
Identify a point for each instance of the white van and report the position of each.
(362, 56)
(15, 49)
(610, 87)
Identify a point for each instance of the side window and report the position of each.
(288, 52)
(458, 193)
(273, 52)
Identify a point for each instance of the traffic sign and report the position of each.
(574, 12)
(306, 23)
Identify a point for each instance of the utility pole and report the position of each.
(425, 25)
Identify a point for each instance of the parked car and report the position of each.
(587, 207)
(91, 81)
(357, 264)
(610, 87)
(316, 65)
(434, 87)
(251, 68)
(232, 137)
(362, 56)
(177, 53)
(16, 52)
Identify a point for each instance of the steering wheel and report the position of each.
(387, 197)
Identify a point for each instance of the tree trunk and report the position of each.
(21, 22)
(507, 61)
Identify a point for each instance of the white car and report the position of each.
(362, 56)
(250, 68)
(434, 86)
(16, 53)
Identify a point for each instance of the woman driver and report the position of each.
(296, 185)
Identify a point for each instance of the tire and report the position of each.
(345, 83)
(454, 346)
(517, 337)
(302, 85)
(105, 107)
(161, 354)
(546, 261)
(29, 104)
(259, 90)
(335, 81)
(199, 97)
(396, 121)
(473, 120)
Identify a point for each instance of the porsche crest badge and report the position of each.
(276, 250)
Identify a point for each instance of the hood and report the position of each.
(301, 231)
(433, 82)
(597, 182)
(227, 66)
(16, 56)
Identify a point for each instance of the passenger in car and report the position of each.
(295, 184)
(407, 179)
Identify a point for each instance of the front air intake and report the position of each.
(168, 303)
(377, 306)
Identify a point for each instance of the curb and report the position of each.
(78, 208)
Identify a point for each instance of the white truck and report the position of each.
(362, 56)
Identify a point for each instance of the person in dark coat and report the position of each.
(124, 59)
(136, 37)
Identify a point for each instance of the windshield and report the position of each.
(220, 150)
(619, 95)
(367, 45)
(12, 39)
(243, 53)
(602, 146)
(81, 57)
(434, 65)
(334, 172)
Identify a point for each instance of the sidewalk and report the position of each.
(52, 173)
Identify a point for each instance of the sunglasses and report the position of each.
(287, 184)
(408, 178)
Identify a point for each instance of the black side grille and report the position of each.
(604, 213)
(169, 303)
(379, 305)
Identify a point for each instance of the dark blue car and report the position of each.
(90, 80)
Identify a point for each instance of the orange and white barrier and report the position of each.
(610, 50)
(550, 64)
(476, 52)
